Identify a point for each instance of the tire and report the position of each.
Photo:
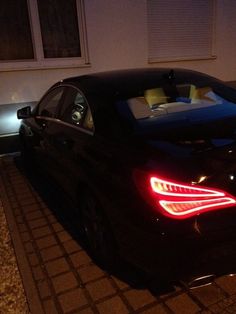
(97, 233)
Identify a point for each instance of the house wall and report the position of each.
(117, 38)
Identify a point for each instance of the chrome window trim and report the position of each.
(65, 123)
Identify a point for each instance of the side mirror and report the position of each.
(24, 113)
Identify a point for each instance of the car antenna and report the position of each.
(170, 76)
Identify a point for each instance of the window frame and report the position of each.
(39, 61)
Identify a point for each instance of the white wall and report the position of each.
(117, 38)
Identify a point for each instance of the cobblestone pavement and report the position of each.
(59, 277)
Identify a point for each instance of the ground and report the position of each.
(12, 297)
(58, 275)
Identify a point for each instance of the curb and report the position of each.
(31, 292)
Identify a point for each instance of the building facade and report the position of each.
(97, 35)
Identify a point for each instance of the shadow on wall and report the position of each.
(9, 126)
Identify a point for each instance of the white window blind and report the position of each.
(180, 29)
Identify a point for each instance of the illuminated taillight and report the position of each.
(182, 200)
(164, 187)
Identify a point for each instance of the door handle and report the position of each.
(42, 123)
(66, 142)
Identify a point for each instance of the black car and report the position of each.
(148, 158)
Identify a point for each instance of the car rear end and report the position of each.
(187, 180)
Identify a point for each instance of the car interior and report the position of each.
(157, 102)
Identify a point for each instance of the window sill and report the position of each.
(44, 65)
(178, 59)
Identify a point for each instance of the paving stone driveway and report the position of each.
(59, 277)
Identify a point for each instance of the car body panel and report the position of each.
(104, 159)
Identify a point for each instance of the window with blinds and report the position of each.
(180, 30)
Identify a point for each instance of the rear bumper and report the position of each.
(206, 245)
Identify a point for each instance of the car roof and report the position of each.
(122, 82)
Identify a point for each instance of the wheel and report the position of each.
(98, 235)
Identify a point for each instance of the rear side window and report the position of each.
(49, 104)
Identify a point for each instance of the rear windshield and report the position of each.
(181, 105)
(158, 102)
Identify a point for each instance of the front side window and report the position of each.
(42, 33)
(49, 104)
(76, 111)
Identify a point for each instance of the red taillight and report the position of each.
(181, 200)
(164, 187)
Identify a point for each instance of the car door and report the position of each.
(45, 120)
(70, 139)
